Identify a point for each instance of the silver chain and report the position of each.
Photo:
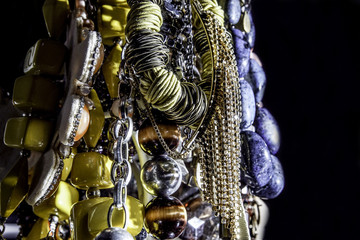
(121, 168)
(2, 229)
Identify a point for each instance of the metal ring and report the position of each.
(110, 212)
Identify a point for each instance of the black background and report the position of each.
(310, 53)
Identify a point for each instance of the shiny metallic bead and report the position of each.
(114, 233)
(161, 176)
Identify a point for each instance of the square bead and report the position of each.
(91, 170)
(46, 57)
(28, 133)
(35, 94)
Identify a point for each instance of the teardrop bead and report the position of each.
(247, 104)
(257, 156)
(257, 79)
(267, 127)
(276, 184)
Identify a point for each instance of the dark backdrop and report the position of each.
(310, 54)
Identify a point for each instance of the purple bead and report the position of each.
(257, 79)
(276, 183)
(242, 52)
(267, 127)
(233, 10)
(247, 104)
(251, 35)
(257, 156)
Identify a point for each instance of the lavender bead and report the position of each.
(242, 52)
(233, 11)
(251, 35)
(248, 104)
(258, 156)
(257, 79)
(267, 127)
(276, 183)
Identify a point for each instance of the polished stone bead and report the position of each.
(165, 217)
(257, 79)
(40, 58)
(276, 184)
(248, 107)
(97, 216)
(161, 176)
(149, 140)
(267, 127)
(28, 133)
(233, 10)
(91, 170)
(36, 94)
(55, 15)
(114, 234)
(68, 162)
(251, 35)
(257, 156)
(39, 230)
(110, 70)
(96, 121)
(242, 52)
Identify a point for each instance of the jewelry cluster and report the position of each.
(142, 119)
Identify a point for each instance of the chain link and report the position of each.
(121, 168)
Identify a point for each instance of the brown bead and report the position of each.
(149, 141)
(165, 217)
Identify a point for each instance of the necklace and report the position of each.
(148, 123)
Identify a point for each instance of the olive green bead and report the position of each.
(36, 94)
(46, 57)
(28, 133)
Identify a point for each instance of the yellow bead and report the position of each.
(55, 14)
(68, 162)
(40, 58)
(60, 203)
(91, 170)
(97, 217)
(79, 218)
(97, 120)
(111, 68)
(28, 133)
(112, 22)
(39, 230)
(13, 188)
(35, 94)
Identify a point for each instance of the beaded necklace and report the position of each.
(143, 119)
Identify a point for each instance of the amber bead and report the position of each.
(149, 141)
(165, 217)
(84, 124)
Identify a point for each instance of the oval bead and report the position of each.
(267, 127)
(233, 11)
(276, 184)
(257, 79)
(248, 104)
(114, 233)
(161, 176)
(83, 125)
(242, 52)
(165, 217)
(257, 156)
(251, 35)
